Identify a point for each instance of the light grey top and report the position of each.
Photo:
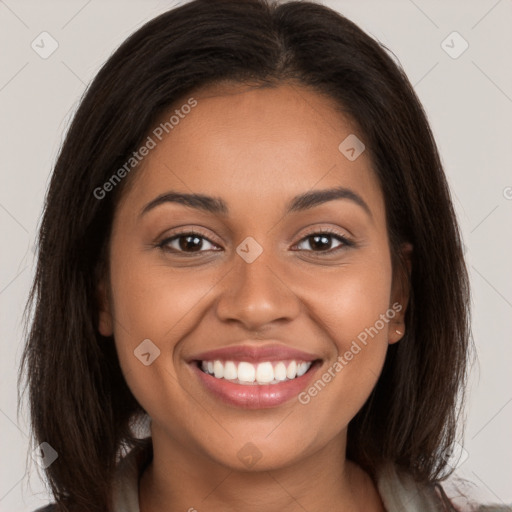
(398, 491)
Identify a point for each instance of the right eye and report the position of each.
(188, 242)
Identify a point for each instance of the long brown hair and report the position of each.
(79, 401)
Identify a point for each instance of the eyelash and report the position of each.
(346, 242)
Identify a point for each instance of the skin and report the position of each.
(256, 148)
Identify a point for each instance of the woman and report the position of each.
(248, 240)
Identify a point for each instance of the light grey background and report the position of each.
(469, 104)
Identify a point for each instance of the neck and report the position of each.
(180, 479)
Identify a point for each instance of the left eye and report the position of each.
(319, 241)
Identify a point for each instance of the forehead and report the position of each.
(267, 144)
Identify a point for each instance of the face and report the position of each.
(280, 279)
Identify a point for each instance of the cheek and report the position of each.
(352, 306)
(153, 302)
(153, 299)
(350, 299)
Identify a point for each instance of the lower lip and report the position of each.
(258, 396)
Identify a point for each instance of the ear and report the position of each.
(400, 292)
(104, 310)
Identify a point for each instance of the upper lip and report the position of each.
(255, 354)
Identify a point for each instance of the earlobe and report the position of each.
(105, 324)
(395, 334)
(104, 311)
(400, 294)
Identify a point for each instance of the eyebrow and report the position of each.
(218, 206)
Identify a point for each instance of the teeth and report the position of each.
(230, 371)
(218, 369)
(246, 372)
(280, 372)
(265, 372)
(261, 373)
(302, 369)
(291, 371)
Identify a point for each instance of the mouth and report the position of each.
(255, 385)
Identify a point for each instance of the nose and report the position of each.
(256, 294)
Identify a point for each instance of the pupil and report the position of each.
(186, 246)
(320, 241)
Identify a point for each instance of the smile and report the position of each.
(246, 373)
(254, 375)
(255, 385)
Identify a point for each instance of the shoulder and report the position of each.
(125, 484)
(399, 491)
(495, 508)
